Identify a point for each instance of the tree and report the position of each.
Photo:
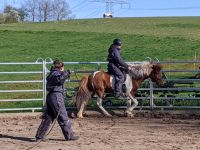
(60, 9)
(39, 7)
(22, 14)
(30, 8)
(46, 9)
(8, 8)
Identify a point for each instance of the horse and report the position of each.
(101, 82)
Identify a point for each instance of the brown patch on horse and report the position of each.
(136, 85)
(101, 83)
(157, 67)
(107, 83)
(156, 74)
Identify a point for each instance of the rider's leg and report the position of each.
(119, 78)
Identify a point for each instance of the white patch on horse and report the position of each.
(112, 81)
(94, 74)
(128, 84)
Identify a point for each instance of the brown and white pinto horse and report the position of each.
(100, 83)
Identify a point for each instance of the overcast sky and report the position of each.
(134, 8)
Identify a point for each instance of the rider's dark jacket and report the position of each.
(115, 58)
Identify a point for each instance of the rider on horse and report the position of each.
(117, 66)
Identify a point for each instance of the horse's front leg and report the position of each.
(99, 103)
(131, 104)
(128, 112)
(129, 87)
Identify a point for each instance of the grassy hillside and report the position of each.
(173, 26)
(88, 40)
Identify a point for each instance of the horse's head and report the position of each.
(156, 73)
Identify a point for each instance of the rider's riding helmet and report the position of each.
(117, 42)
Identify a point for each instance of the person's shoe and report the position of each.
(121, 96)
(41, 139)
(73, 138)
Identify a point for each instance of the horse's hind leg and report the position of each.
(99, 103)
(80, 113)
(82, 108)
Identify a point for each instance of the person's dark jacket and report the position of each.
(56, 80)
(115, 58)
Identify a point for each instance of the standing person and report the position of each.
(55, 107)
(116, 65)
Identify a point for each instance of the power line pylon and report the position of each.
(110, 5)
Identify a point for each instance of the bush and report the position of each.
(12, 17)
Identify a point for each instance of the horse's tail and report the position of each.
(83, 93)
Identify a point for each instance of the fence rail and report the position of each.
(151, 90)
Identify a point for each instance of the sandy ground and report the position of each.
(153, 131)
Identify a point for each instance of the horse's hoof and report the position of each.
(129, 115)
(72, 115)
(80, 116)
(85, 114)
(109, 116)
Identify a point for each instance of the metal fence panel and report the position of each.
(151, 89)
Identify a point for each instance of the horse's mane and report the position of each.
(140, 70)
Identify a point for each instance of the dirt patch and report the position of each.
(144, 131)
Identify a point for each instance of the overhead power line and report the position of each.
(78, 5)
(172, 8)
(158, 9)
(99, 10)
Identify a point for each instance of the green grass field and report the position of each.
(175, 38)
(88, 40)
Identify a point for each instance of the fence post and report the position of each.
(44, 81)
(151, 95)
(98, 66)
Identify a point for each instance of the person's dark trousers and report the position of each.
(55, 104)
(119, 77)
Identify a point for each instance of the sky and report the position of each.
(135, 8)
